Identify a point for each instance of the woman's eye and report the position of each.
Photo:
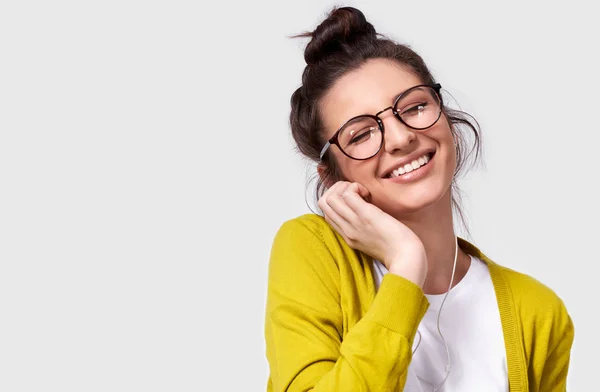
(416, 109)
(361, 136)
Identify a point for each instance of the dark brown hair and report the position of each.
(343, 42)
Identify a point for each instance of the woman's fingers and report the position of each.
(324, 200)
(331, 205)
(347, 229)
(361, 190)
(346, 199)
(354, 197)
(331, 213)
(337, 202)
(344, 206)
(359, 206)
(334, 225)
(336, 188)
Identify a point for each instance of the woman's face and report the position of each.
(369, 89)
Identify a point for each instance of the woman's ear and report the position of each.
(325, 178)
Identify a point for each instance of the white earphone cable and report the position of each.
(448, 364)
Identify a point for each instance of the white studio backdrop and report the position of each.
(146, 163)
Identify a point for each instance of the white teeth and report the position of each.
(417, 163)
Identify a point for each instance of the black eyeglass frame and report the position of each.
(334, 139)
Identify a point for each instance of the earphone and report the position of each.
(448, 365)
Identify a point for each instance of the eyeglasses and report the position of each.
(361, 137)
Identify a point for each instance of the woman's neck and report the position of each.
(434, 226)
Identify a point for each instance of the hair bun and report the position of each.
(344, 26)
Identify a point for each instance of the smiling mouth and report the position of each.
(412, 166)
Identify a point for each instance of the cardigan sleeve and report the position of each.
(554, 375)
(304, 322)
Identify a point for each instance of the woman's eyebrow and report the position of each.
(395, 97)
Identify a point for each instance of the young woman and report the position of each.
(379, 294)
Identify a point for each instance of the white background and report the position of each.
(146, 163)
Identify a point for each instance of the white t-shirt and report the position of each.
(470, 323)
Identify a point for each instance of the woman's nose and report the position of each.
(397, 136)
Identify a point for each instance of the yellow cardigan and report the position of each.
(327, 329)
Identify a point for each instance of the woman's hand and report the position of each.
(367, 228)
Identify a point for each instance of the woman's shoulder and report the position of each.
(307, 229)
(305, 260)
(530, 293)
(309, 242)
(305, 238)
(525, 289)
(544, 320)
(312, 222)
(537, 305)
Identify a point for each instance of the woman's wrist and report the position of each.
(415, 270)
